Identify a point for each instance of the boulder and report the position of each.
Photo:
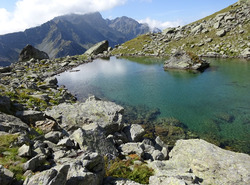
(197, 29)
(87, 169)
(55, 176)
(66, 142)
(211, 163)
(12, 124)
(24, 151)
(184, 60)
(53, 136)
(92, 138)
(246, 53)
(132, 148)
(221, 33)
(134, 132)
(6, 176)
(30, 52)
(98, 48)
(30, 116)
(47, 126)
(34, 163)
(106, 114)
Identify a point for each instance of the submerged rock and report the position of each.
(185, 60)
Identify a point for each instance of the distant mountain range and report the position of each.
(70, 35)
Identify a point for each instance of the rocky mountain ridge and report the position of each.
(70, 35)
(223, 34)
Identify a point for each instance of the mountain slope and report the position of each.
(70, 35)
(223, 34)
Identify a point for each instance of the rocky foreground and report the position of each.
(49, 138)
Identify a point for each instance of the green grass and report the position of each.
(126, 169)
(9, 156)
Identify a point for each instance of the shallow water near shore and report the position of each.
(215, 103)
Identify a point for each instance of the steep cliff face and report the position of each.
(223, 34)
(70, 35)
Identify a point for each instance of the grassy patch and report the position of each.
(9, 156)
(126, 169)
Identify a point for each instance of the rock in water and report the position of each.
(30, 52)
(186, 60)
(98, 48)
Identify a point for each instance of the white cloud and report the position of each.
(29, 13)
(161, 25)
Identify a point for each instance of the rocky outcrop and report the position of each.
(185, 60)
(98, 48)
(107, 115)
(11, 124)
(197, 161)
(30, 52)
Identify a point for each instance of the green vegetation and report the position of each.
(9, 156)
(127, 169)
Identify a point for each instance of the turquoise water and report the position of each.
(215, 102)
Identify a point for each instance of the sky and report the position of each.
(18, 15)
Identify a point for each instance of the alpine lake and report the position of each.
(213, 105)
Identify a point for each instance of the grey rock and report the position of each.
(98, 48)
(221, 33)
(5, 69)
(217, 25)
(6, 176)
(67, 142)
(158, 155)
(156, 180)
(119, 181)
(5, 104)
(197, 29)
(30, 52)
(54, 176)
(134, 132)
(53, 136)
(30, 116)
(246, 53)
(47, 126)
(106, 114)
(34, 162)
(132, 148)
(88, 169)
(92, 138)
(182, 60)
(12, 124)
(24, 151)
(59, 154)
(211, 163)
(229, 18)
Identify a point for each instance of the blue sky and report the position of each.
(17, 15)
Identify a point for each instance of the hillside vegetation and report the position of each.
(222, 34)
